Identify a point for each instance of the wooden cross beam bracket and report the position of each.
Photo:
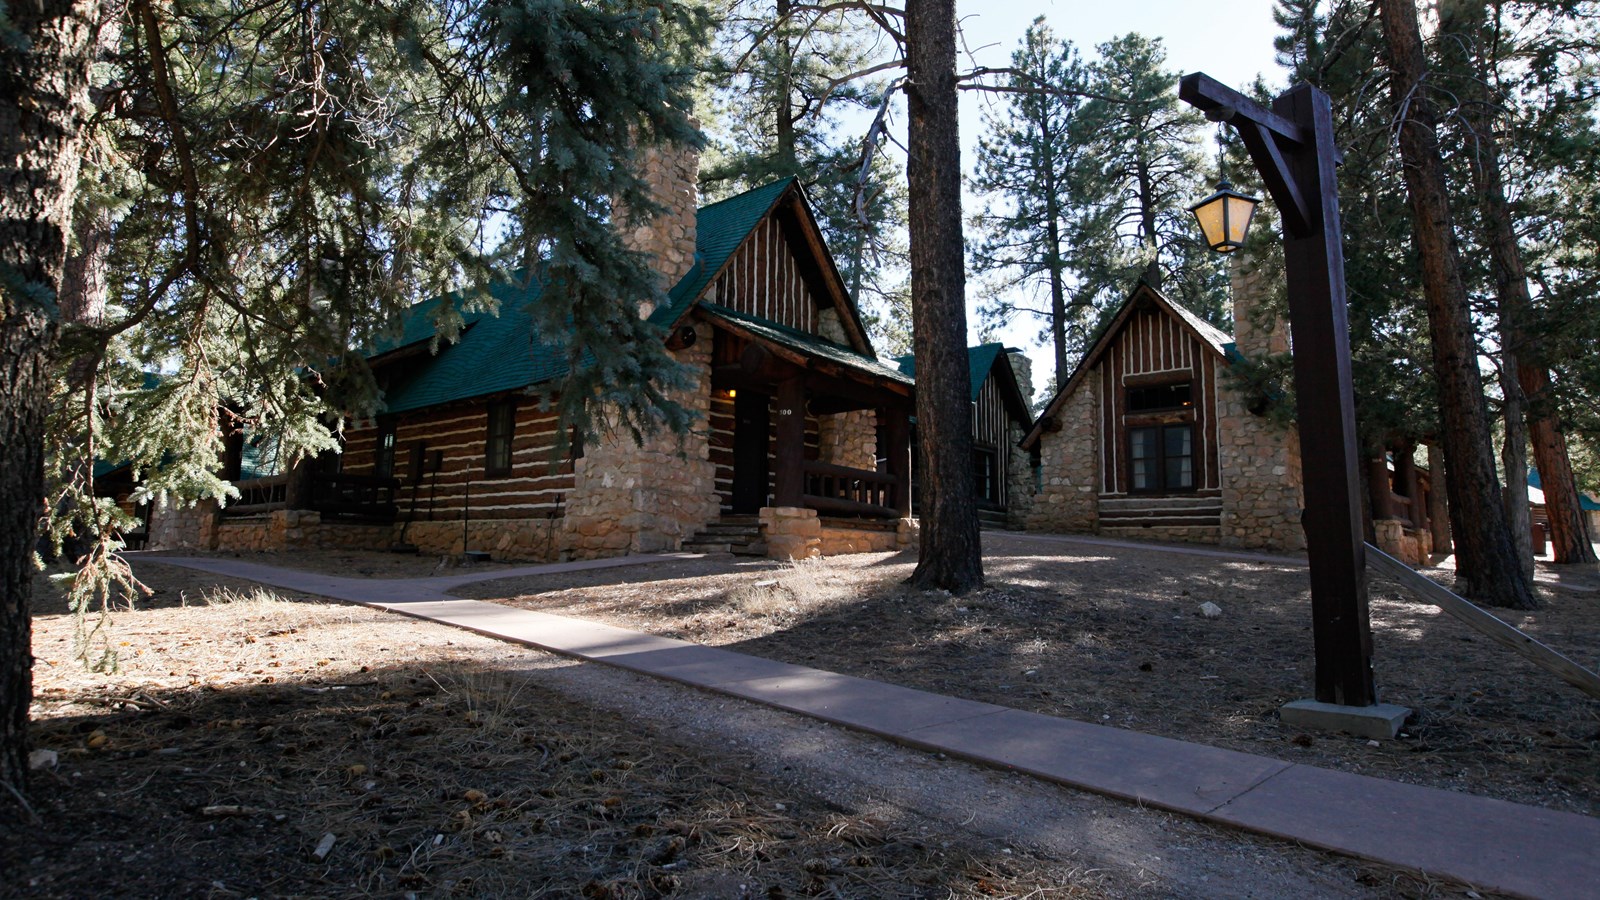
(1269, 137)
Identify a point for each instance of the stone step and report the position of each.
(731, 530)
(1120, 504)
(699, 546)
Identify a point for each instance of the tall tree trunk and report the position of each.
(44, 74)
(1486, 562)
(951, 554)
(1438, 504)
(783, 127)
(1569, 540)
(1465, 26)
(1058, 293)
(1467, 22)
(1514, 454)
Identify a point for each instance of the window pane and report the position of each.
(1142, 443)
(1180, 472)
(1178, 442)
(1141, 472)
(497, 453)
(1166, 396)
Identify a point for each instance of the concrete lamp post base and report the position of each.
(1380, 721)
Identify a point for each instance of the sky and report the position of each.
(1230, 40)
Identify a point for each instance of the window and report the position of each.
(1161, 458)
(1165, 396)
(497, 451)
(985, 473)
(383, 462)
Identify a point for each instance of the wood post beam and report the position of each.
(1292, 146)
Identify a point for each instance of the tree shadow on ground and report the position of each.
(443, 779)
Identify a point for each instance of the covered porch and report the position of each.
(803, 429)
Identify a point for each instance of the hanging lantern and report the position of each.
(1224, 217)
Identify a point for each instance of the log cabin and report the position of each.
(1148, 437)
(1002, 472)
(802, 445)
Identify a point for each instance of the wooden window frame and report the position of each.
(1160, 459)
(498, 449)
(990, 479)
(383, 450)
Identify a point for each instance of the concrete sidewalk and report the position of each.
(1489, 844)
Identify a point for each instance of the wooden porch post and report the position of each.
(789, 479)
(897, 437)
(1379, 488)
(1405, 476)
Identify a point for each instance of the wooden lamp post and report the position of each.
(1292, 147)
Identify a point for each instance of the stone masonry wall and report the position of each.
(1069, 460)
(1019, 479)
(631, 499)
(668, 239)
(840, 537)
(174, 527)
(291, 529)
(1262, 485)
(522, 540)
(849, 439)
(791, 532)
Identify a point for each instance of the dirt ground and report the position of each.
(244, 726)
(256, 743)
(1115, 635)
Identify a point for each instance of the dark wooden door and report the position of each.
(751, 437)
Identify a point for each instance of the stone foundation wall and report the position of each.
(522, 540)
(290, 529)
(849, 439)
(1180, 534)
(839, 537)
(1019, 480)
(174, 527)
(1069, 461)
(631, 499)
(1262, 485)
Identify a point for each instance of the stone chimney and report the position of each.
(1022, 366)
(1251, 289)
(672, 173)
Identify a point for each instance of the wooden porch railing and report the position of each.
(358, 496)
(259, 495)
(841, 490)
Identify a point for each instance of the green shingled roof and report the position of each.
(495, 352)
(501, 353)
(806, 343)
(980, 360)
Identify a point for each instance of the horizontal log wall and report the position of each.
(532, 490)
(722, 440)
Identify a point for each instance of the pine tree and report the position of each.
(1145, 168)
(286, 178)
(951, 557)
(1487, 568)
(1026, 162)
(787, 78)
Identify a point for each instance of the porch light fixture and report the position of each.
(1224, 217)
